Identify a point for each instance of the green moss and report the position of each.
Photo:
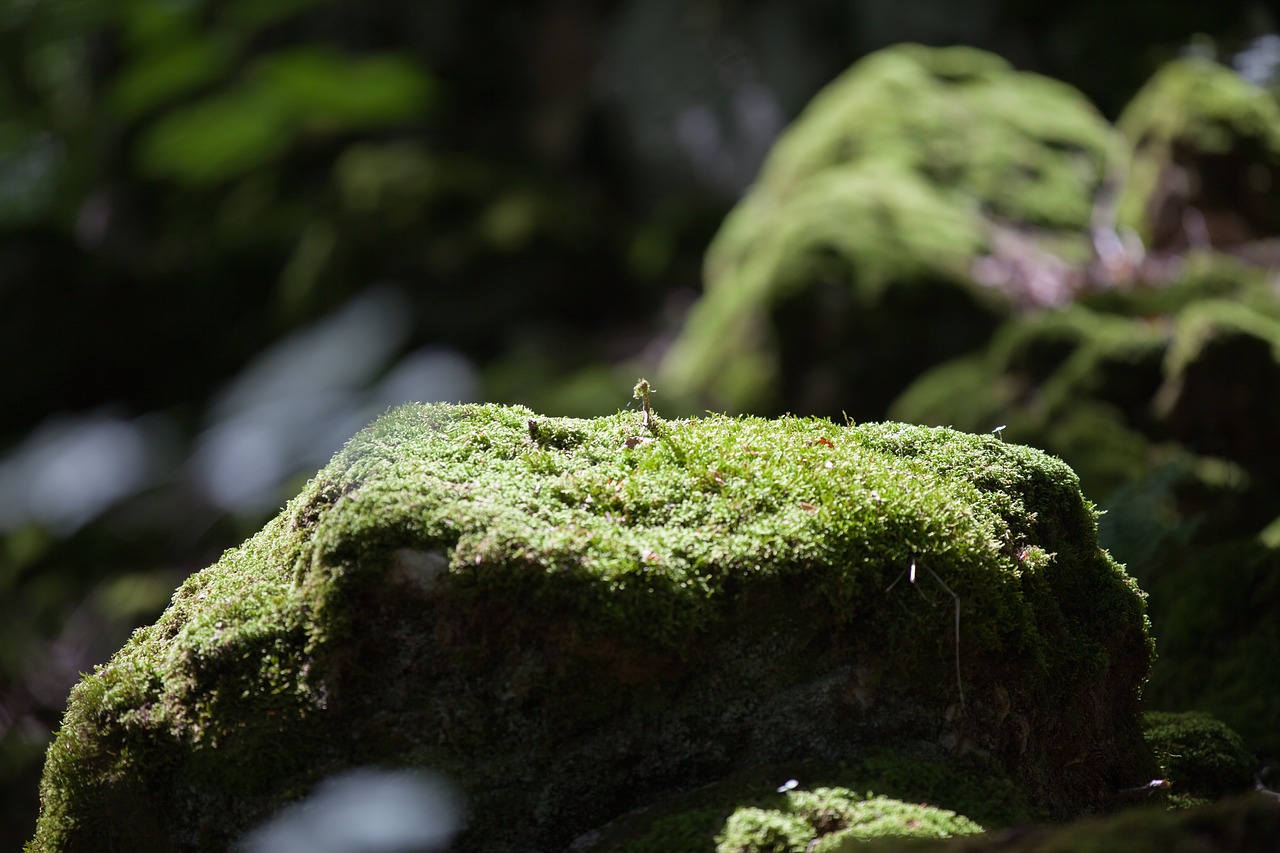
(857, 232)
(1203, 137)
(545, 609)
(1074, 381)
(865, 221)
(1026, 147)
(753, 830)
(1209, 321)
(881, 817)
(836, 819)
(1199, 754)
(1222, 363)
(1162, 415)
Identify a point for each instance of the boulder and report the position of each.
(848, 267)
(571, 618)
(1205, 162)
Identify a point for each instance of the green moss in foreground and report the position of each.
(546, 610)
(836, 819)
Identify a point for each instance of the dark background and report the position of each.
(231, 233)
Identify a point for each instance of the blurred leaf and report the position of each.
(129, 597)
(164, 74)
(20, 548)
(394, 178)
(153, 23)
(256, 14)
(219, 138)
(324, 88)
(231, 134)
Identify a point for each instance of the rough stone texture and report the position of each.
(570, 618)
(847, 268)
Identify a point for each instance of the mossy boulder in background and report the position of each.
(570, 618)
(1163, 398)
(1206, 159)
(847, 267)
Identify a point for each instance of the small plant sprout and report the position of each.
(910, 572)
(641, 392)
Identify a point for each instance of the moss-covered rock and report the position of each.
(846, 269)
(572, 617)
(1206, 159)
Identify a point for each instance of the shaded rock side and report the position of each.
(571, 617)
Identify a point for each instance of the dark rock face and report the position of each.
(569, 618)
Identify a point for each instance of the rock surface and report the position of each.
(571, 617)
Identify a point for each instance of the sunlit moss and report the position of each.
(570, 616)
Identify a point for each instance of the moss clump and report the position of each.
(571, 617)
(754, 830)
(1199, 754)
(865, 221)
(836, 819)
